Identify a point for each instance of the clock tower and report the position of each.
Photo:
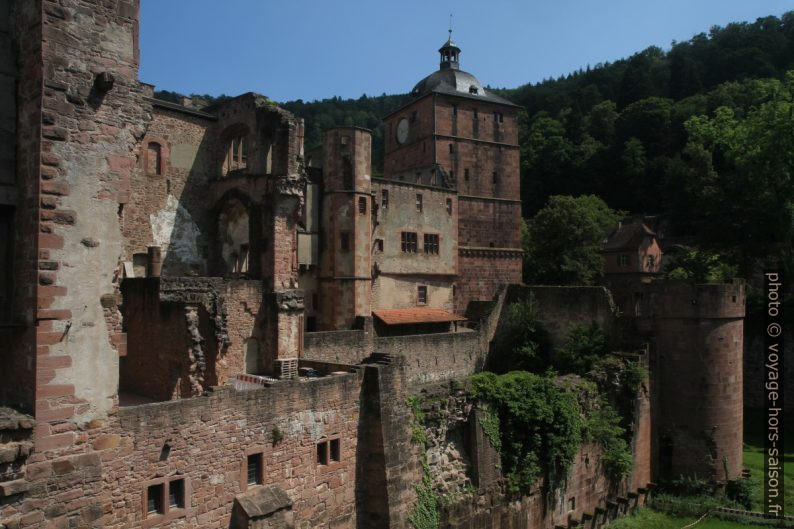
(464, 138)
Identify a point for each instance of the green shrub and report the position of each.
(740, 491)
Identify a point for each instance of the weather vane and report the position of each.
(450, 25)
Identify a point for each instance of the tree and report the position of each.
(746, 195)
(564, 241)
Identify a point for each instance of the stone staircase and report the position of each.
(615, 507)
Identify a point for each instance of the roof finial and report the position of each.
(450, 26)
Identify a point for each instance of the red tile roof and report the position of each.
(415, 315)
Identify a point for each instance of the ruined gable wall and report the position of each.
(91, 133)
(170, 209)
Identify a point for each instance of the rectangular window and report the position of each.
(449, 206)
(495, 177)
(344, 241)
(421, 295)
(322, 453)
(413, 116)
(465, 174)
(454, 110)
(154, 499)
(451, 147)
(384, 199)
(623, 260)
(379, 245)
(255, 469)
(408, 241)
(335, 450)
(176, 494)
(431, 243)
(419, 202)
(362, 206)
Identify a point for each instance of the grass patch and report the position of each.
(754, 458)
(645, 518)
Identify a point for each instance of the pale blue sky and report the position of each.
(303, 49)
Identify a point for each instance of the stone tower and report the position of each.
(345, 271)
(456, 131)
(696, 370)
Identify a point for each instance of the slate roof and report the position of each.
(452, 81)
(627, 237)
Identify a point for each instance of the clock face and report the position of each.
(402, 131)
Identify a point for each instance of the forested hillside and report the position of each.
(703, 132)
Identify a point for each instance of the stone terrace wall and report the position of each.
(435, 357)
(101, 481)
(344, 347)
(561, 308)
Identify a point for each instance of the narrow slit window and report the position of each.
(254, 469)
(335, 450)
(419, 202)
(362, 206)
(449, 206)
(344, 241)
(384, 199)
(421, 295)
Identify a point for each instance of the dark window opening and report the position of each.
(413, 116)
(362, 206)
(408, 241)
(176, 494)
(465, 174)
(154, 499)
(379, 245)
(454, 110)
(322, 453)
(495, 177)
(451, 147)
(335, 450)
(419, 202)
(384, 199)
(421, 295)
(311, 324)
(255, 469)
(344, 241)
(473, 90)
(431, 243)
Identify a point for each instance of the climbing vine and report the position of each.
(539, 425)
(425, 514)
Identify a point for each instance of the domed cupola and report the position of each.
(450, 54)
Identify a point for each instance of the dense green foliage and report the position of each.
(521, 344)
(540, 425)
(563, 241)
(584, 346)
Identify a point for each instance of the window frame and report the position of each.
(167, 512)
(421, 294)
(409, 241)
(431, 241)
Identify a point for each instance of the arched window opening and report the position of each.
(233, 229)
(236, 155)
(154, 160)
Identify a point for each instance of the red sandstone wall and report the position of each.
(482, 272)
(418, 150)
(100, 482)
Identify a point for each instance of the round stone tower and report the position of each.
(696, 369)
